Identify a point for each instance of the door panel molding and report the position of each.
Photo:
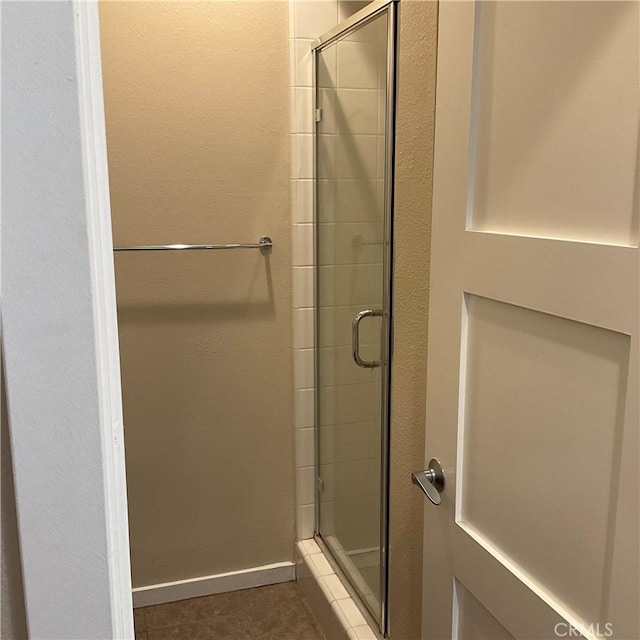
(551, 374)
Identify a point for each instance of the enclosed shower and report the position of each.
(354, 76)
(215, 259)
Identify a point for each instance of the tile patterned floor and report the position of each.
(276, 612)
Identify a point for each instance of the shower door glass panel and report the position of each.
(352, 263)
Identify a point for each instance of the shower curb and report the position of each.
(335, 610)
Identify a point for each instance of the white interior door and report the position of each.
(532, 392)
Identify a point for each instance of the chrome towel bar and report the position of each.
(264, 243)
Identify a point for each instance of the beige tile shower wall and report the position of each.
(308, 19)
(197, 126)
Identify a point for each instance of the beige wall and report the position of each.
(412, 235)
(197, 125)
(12, 614)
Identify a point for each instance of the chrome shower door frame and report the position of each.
(343, 29)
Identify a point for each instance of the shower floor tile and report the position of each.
(275, 612)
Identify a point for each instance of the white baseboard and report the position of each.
(209, 585)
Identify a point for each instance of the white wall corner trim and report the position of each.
(59, 325)
(98, 212)
(210, 585)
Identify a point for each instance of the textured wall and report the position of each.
(414, 160)
(197, 127)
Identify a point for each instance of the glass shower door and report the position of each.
(354, 73)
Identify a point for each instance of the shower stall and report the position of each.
(354, 81)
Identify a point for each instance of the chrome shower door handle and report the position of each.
(355, 337)
(430, 481)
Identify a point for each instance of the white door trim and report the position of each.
(98, 210)
(60, 334)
